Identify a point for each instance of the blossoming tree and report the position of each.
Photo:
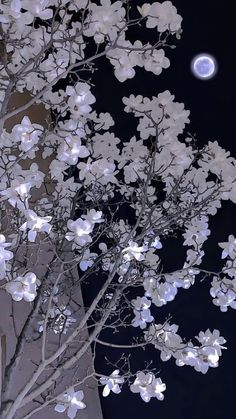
(164, 183)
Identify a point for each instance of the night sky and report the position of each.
(208, 26)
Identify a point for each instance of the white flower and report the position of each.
(229, 247)
(142, 318)
(35, 224)
(71, 400)
(79, 100)
(58, 169)
(27, 133)
(22, 287)
(133, 251)
(196, 232)
(142, 312)
(80, 230)
(104, 170)
(38, 8)
(17, 193)
(93, 216)
(141, 303)
(163, 293)
(14, 11)
(148, 386)
(101, 169)
(106, 20)
(111, 383)
(71, 150)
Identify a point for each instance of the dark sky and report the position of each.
(208, 26)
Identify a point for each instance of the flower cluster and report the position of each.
(146, 384)
(163, 288)
(223, 292)
(223, 289)
(161, 15)
(166, 339)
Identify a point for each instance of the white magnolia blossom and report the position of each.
(38, 8)
(111, 383)
(35, 224)
(80, 231)
(80, 99)
(71, 150)
(12, 12)
(196, 232)
(17, 194)
(93, 216)
(173, 123)
(161, 293)
(23, 287)
(142, 312)
(55, 65)
(27, 134)
(148, 386)
(201, 358)
(101, 169)
(229, 247)
(70, 401)
(107, 18)
(58, 169)
(134, 251)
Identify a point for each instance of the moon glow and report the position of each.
(204, 66)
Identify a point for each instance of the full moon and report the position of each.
(204, 66)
